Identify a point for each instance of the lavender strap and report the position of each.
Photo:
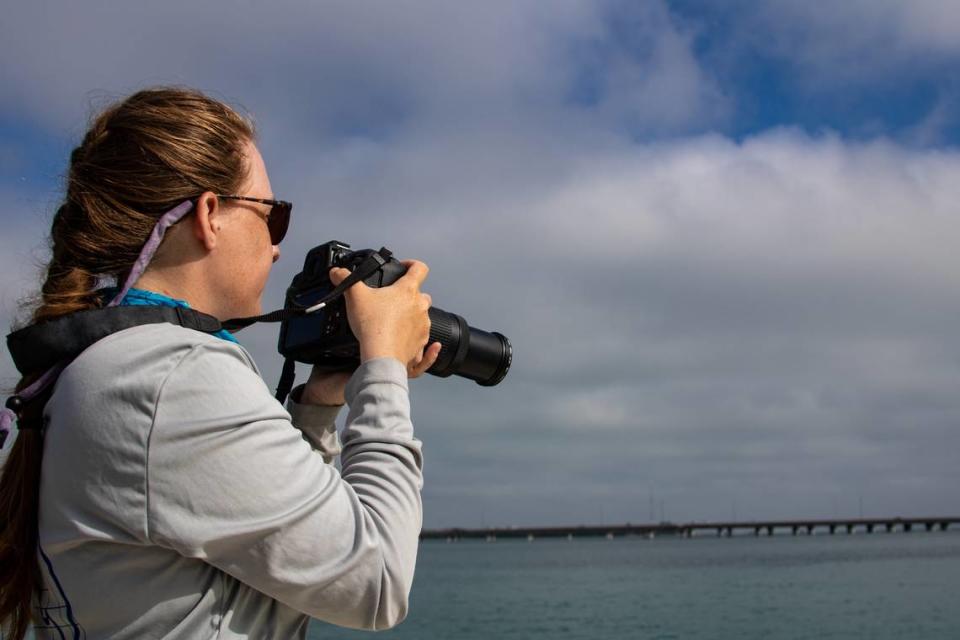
(6, 422)
(167, 220)
(7, 416)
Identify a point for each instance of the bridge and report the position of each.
(691, 529)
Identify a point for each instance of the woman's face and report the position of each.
(249, 252)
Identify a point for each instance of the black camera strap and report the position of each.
(370, 265)
(39, 347)
(364, 270)
(43, 350)
(46, 348)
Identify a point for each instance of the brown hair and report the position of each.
(141, 157)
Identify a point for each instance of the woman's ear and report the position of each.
(206, 222)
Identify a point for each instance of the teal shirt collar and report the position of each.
(142, 297)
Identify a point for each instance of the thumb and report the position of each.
(338, 275)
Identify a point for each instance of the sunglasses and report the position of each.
(277, 220)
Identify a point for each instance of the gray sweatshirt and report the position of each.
(179, 499)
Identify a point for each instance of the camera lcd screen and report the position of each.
(305, 330)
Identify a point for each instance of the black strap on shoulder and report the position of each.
(41, 346)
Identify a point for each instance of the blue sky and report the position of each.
(774, 88)
(720, 234)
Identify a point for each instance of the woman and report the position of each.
(168, 493)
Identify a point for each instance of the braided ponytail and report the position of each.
(139, 158)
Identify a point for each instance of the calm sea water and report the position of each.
(879, 586)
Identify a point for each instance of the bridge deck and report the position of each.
(722, 528)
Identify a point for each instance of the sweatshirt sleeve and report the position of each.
(232, 481)
(317, 423)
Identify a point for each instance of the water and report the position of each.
(879, 586)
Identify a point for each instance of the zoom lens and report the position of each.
(468, 352)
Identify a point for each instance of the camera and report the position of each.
(324, 339)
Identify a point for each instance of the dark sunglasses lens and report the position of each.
(279, 221)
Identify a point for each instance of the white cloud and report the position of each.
(647, 75)
(346, 66)
(400, 55)
(779, 203)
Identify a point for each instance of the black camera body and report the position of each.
(324, 339)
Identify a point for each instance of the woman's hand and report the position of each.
(325, 387)
(392, 321)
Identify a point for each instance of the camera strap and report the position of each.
(39, 347)
(44, 350)
(48, 347)
(364, 270)
(370, 265)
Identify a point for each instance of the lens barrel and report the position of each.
(468, 352)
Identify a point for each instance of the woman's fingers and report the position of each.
(427, 359)
(392, 321)
(416, 271)
(339, 274)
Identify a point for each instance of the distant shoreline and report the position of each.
(700, 529)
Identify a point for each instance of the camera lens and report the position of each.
(469, 352)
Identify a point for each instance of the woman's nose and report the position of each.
(276, 252)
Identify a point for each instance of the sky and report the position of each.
(719, 235)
